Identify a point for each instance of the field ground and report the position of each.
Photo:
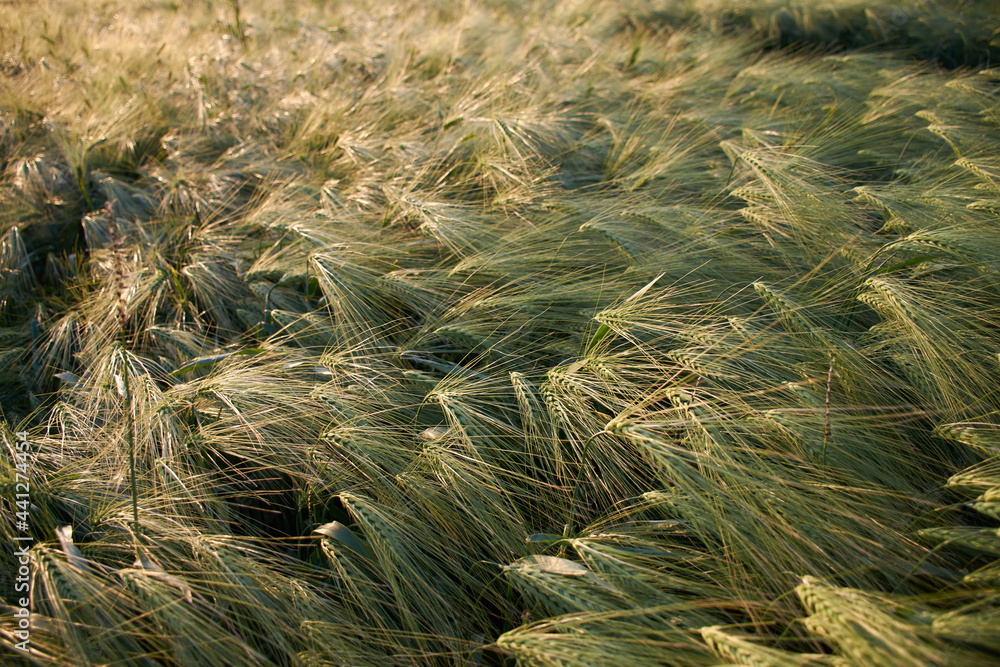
(492, 333)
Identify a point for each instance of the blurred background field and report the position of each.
(499, 333)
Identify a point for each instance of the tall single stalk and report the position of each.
(238, 29)
(827, 431)
(126, 385)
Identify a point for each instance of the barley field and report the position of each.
(481, 332)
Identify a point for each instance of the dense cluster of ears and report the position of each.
(498, 333)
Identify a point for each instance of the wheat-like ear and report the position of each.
(967, 626)
(863, 628)
(739, 650)
(979, 539)
(613, 559)
(638, 637)
(17, 278)
(989, 503)
(560, 586)
(983, 475)
(420, 602)
(982, 436)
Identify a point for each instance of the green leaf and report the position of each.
(902, 265)
(598, 336)
(338, 531)
(202, 362)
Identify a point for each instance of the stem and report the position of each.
(126, 384)
(130, 423)
(828, 432)
(238, 30)
(81, 181)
